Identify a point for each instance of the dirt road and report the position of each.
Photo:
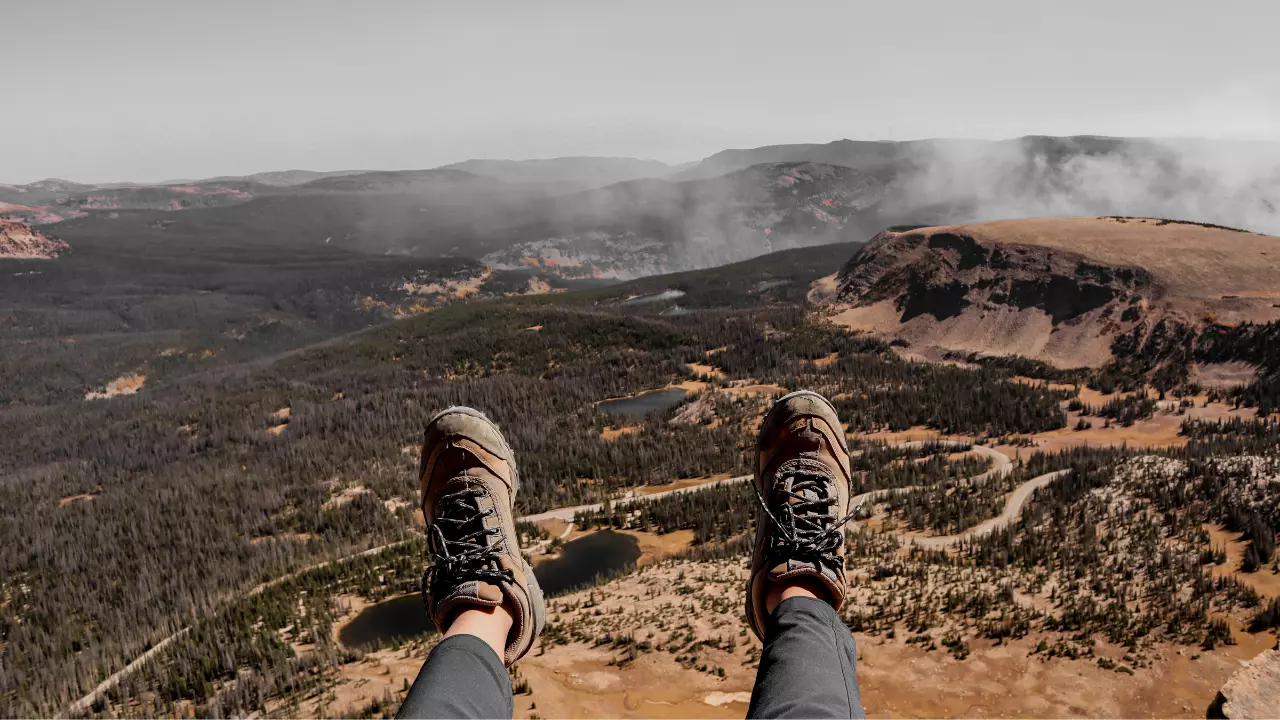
(1012, 508)
(568, 512)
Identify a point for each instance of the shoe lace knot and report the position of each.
(805, 528)
(459, 543)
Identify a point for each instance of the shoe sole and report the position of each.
(510, 455)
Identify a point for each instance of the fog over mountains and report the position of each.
(623, 217)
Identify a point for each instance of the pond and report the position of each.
(580, 562)
(656, 297)
(586, 559)
(640, 405)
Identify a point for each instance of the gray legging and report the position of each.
(808, 670)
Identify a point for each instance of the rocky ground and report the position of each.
(18, 241)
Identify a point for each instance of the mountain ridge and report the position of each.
(1071, 292)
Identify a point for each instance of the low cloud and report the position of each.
(1234, 183)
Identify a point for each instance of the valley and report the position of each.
(734, 335)
(1065, 440)
(248, 251)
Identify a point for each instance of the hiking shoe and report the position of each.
(469, 484)
(802, 483)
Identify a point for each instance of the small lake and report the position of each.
(586, 559)
(644, 403)
(580, 562)
(656, 297)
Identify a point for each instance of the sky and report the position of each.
(150, 91)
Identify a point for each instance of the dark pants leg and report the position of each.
(808, 669)
(462, 678)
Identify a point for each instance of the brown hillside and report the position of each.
(19, 241)
(1055, 289)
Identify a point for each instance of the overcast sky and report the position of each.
(147, 91)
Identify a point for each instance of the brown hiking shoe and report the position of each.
(803, 485)
(469, 484)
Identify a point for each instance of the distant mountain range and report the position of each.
(625, 217)
(573, 172)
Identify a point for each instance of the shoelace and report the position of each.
(805, 530)
(459, 543)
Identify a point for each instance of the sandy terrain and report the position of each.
(84, 497)
(613, 432)
(750, 389)
(689, 386)
(123, 385)
(393, 504)
(343, 497)
(1160, 430)
(554, 526)
(824, 289)
(701, 370)
(19, 241)
(868, 318)
(579, 680)
(1265, 581)
(451, 289)
(825, 361)
(658, 546)
(1219, 375)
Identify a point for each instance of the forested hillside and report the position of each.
(130, 516)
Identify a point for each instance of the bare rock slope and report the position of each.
(20, 242)
(1253, 692)
(1059, 290)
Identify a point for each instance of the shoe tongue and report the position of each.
(787, 473)
(475, 477)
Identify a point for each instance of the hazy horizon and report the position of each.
(149, 92)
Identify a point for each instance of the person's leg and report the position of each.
(479, 589)
(808, 668)
(464, 676)
(797, 584)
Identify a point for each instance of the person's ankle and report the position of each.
(800, 586)
(490, 624)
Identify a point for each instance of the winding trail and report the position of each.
(1014, 504)
(84, 704)
(1012, 508)
(1001, 466)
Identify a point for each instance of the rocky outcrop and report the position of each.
(949, 290)
(1253, 692)
(1058, 290)
(18, 241)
